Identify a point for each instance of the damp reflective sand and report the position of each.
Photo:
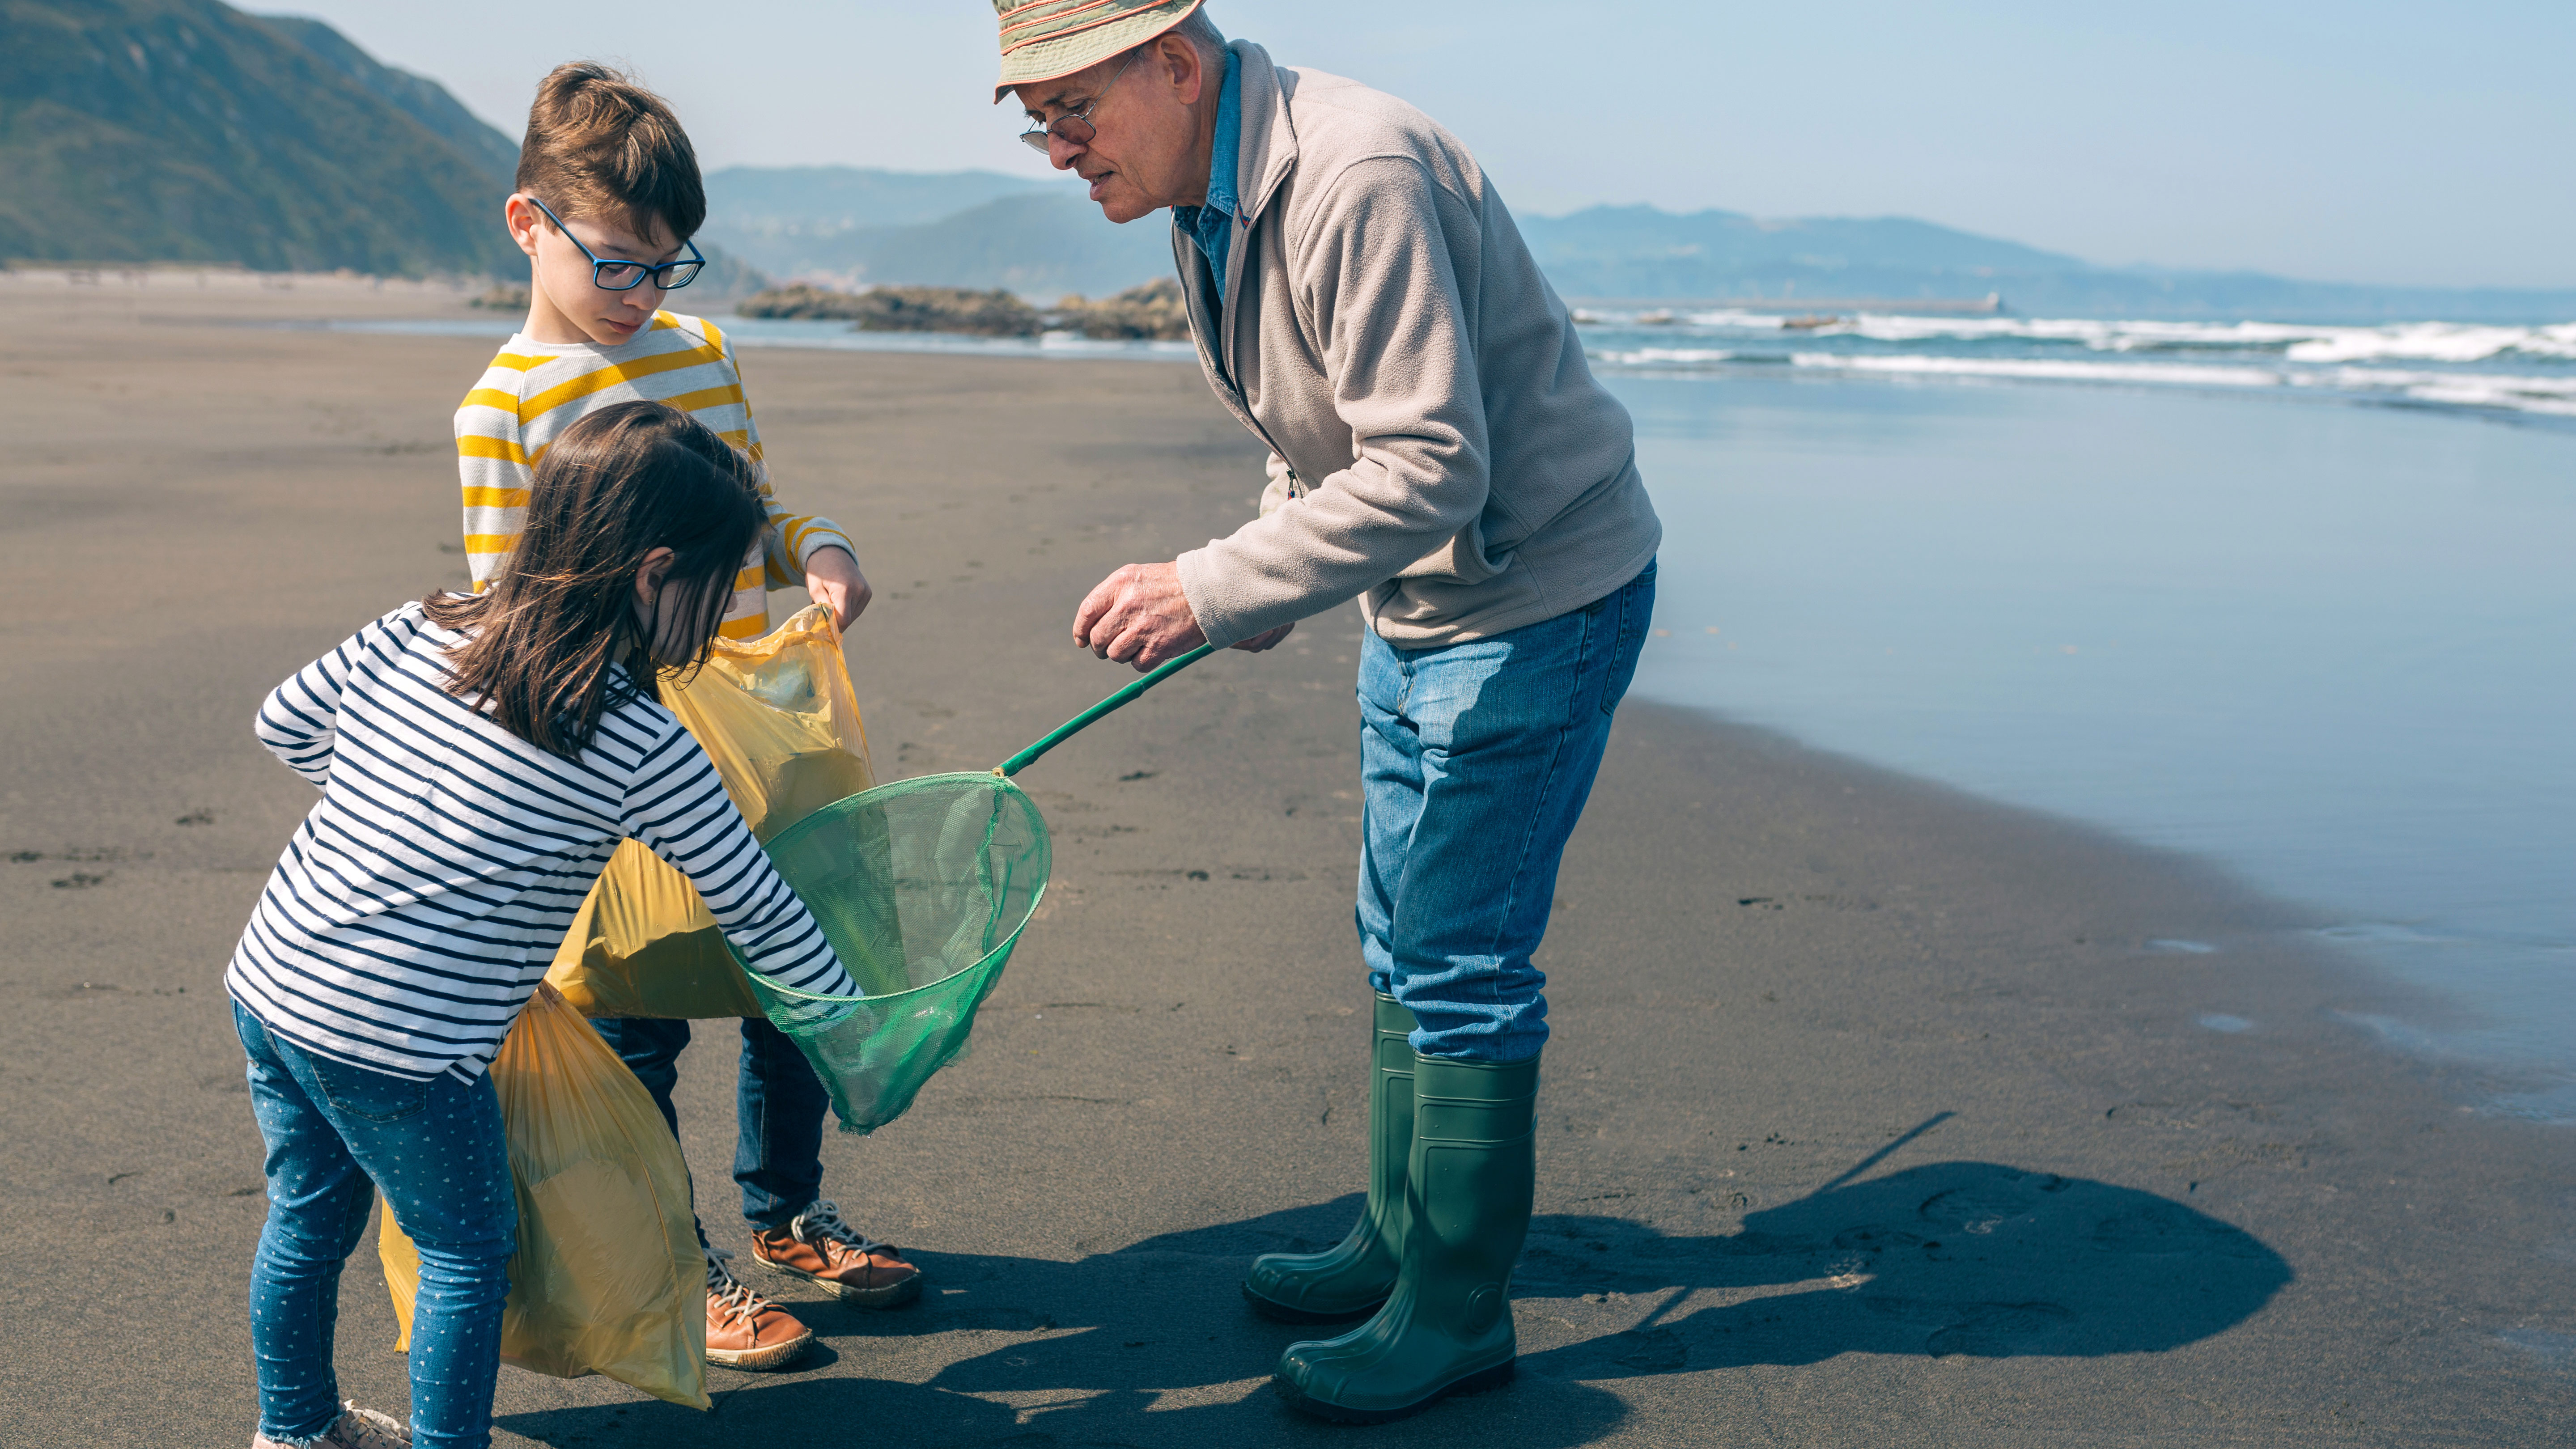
(2330, 646)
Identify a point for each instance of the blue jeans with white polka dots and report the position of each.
(337, 1134)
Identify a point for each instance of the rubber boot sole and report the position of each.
(893, 1295)
(1474, 1383)
(1281, 1313)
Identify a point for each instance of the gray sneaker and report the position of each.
(356, 1428)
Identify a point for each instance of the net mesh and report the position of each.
(922, 887)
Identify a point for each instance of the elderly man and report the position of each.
(1363, 303)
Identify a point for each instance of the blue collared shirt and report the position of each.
(1212, 225)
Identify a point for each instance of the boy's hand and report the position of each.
(832, 576)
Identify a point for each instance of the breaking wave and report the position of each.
(2526, 370)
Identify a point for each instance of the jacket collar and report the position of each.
(1269, 144)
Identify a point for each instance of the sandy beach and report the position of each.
(1875, 1114)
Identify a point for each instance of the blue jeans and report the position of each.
(1475, 761)
(336, 1135)
(778, 1109)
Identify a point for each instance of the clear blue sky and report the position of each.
(2362, 141)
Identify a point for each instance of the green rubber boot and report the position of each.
(1447, 1327)
(1350, 1280)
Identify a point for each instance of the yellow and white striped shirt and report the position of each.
(535, 390)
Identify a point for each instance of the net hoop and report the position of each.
(1003, 789)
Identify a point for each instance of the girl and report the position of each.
(479, 757)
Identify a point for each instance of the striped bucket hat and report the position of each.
(1044, 39)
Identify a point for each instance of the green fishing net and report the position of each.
(922, 887)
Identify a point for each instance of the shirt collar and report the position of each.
(1228, 149)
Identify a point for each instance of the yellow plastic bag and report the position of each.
(778, 717)
(608, 1278)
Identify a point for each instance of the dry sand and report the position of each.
(1773, 969)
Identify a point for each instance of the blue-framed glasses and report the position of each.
(617, 276)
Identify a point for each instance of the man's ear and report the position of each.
(1181, 66)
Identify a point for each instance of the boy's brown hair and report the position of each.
(599, 145)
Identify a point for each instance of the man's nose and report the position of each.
(1061, 153)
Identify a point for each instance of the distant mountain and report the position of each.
(1638, 252)
(416, 96)
(850, 228)
(1615, 250)
(854, 227)
(817, 199)
(184, 130)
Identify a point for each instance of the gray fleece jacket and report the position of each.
(1438, 446)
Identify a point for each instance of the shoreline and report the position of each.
(1770, 967)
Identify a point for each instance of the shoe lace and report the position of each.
(726, 1293)
(822, 1219)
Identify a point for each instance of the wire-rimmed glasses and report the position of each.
(611, 275)
(1074, 126)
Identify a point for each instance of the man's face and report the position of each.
(1147, 152)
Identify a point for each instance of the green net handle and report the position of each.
(1075, 725)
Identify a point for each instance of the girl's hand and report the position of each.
(832, 576)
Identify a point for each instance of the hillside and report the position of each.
(1640, 252)
(854, 227)
(822, 197)
(961, 228)
(184, 130)
(419, 97)
(1041, 246)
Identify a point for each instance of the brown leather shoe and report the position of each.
(745, 1330)
(827, 1252)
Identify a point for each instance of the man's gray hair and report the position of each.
(1201, 32)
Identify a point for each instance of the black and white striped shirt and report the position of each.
(418, 906)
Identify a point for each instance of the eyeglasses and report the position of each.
(1075, 126)
(617, 276)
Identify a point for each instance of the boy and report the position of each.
(608, 196)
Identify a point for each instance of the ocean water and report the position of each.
(798, 332)
(2527, 371)
(2332, 648)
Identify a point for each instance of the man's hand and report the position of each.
(1138, 616)
(832, 576)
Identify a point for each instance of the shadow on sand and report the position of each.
(1151, 1345)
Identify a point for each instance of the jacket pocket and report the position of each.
(1461, 559)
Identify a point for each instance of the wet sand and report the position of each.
(1872, 1116)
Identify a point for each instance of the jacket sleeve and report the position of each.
(1376, 277)
(792, 537)
(677, 806)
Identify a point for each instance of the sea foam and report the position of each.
(2183, 374)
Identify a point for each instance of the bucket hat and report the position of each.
(1044, 39)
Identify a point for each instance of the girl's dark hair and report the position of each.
(555, 641)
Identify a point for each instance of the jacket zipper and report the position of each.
(1229, 374)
